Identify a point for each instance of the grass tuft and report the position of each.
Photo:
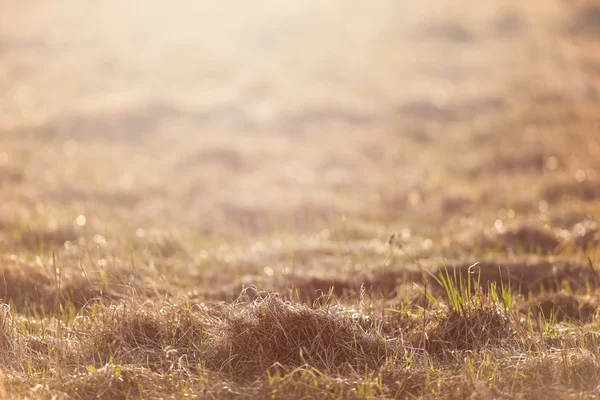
(271, 332)
(473, 318)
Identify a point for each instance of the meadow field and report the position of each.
(303, 199)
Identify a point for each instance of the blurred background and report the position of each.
(229, 122)
(164, 162)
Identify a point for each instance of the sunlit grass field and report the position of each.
(329, 200)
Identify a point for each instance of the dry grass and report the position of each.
(405, 206)
(270, 332)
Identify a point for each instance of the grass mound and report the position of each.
(487, 326)
(475, 318)
(271, 331)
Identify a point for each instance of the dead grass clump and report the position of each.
(473, 317)
(562, 306)
(270, 331)
(146, 335)
(476, 329)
